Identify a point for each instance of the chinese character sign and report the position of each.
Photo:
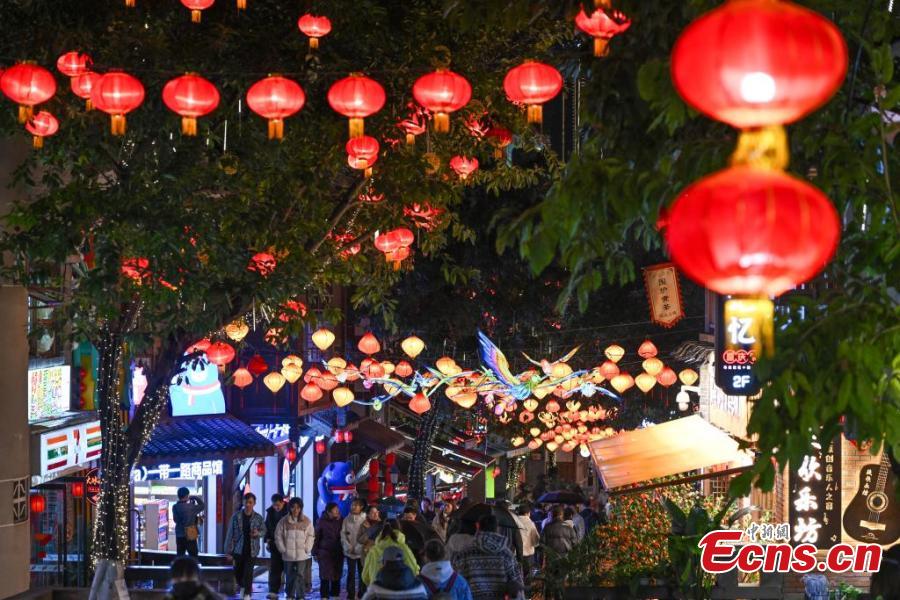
(814, 506)
(738, 339)
(664, 294)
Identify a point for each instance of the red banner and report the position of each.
(664, 294)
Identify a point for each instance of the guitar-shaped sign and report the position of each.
(874, 513)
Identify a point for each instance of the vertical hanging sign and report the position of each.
(738, 336)
(664, 294)
(814, 507)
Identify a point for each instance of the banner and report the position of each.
(664, 294)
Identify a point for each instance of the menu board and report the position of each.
(49, 392)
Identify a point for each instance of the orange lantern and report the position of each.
(653, 366)
(242, 378)
(647, 349)
(368, 344)
(220, 353)
(311, 392)
(609, 369)
(403, 369)
(622, 382)
(614, 353)
(667, 377)
(420, 404)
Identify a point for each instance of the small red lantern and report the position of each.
(220, 353)
(275, 98)
(197, 7)
(464, 166)
(609, 369)
(290, 454)
(242, 377)
(403, 369)
(532, 84)
(190, 96)
(78, 489)
(311, 393)
(40, 126)
(261, 468)
(314, 27)
(500, 137)
(442, 92)
(82, 86)
(37, 503)
(338, 436)
(257, 365)
(750, 63)
(356, 97)
(117, 94)
(602, 26)
(27, 85)
(320, 446)
(368, 344)
(420, 404)
(647, 349)
(348, 437)
(362, 153)
(667, 377)
(72, 64)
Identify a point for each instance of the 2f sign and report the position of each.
(741, 382)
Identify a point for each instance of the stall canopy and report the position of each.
(377, 437)
(189, 438)
(662, 450)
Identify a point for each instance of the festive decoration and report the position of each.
(532, 84)
(322, 338)
(314, 27)
(197, 7)
(644, 381)
(614, 353)
(237, 330)
(664, 294)
(622, 382)
(311, 393)
(27, 85)
(42, 125)
(257, 365)
(336, 484)
(368, 344)
(220, 353)
(82, 86)
(276, 98)
(261, 469)
(442, 93)
(395, 245)
(117, 94)
(356, 97)
(602, 25)
(362, 153)
(320, 446)
(647, 349)
(37, 503)
(412, 346)
(653, 366)
(403, 369)
(72, 64)
(608, 369)
(78, 489)
(242, 377)
(420, 404)
(190, 96)
(688, 376)
(274, 381)
(342, 396)
(666, 377)
(464, 166)
(290, 454)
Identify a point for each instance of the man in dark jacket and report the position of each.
(274, 514)
(184, 513)
(559, 535)
(186, 584)
(488, 564)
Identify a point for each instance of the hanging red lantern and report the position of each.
(667, 377)
(257, 365)
(37, 503)
(609, 369)
(197, 7)
(290, 454)
(356, 97)
(442, 92)
(27, 85)
(420, 404)
(311, 392)
(500, 138)
(276, 98)
(190, 96)
(314, 27)
(220, 353)
(368, 344)
(751, 232)
(78, 489)
(263, 263)
(532, 84)
(602, 26)
(403, 369)
(362, 153)
(751, 63)
(647, 349)
(242, 377)
(320, 446)
(82, 86)
(464, 166)
(117, 94)
(72, 64)
(261, 468)
(43, 124)
(199, 346)
(348, 437)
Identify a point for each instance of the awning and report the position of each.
(470, 455)
(193, 438)
(445, 462)
(662, 450)
(377, 437)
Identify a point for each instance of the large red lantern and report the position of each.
(751, 232)
(220, 353)
(72, 64)
(190, 96)
(314, 27)
(117, 94)
(603, 26)
(532, 84)
(356, 97)
(362, 153)
(197, 7)
(27, 85)
(82, 86)
(37, 503)
(464, 166)
(275, 98)
(40, 126)
(442, 92)
(752, 63)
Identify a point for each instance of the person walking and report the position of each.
(559, 535)
(441, 520)
(395, 580)
(242, 543)
(274, 514)
(368, 532)
(438, 574)
(186, 584)
(185, 513)
(349, 533)
(570, 515)
(390, 537)
(530, 539)
(294, 538)
(488, 565)
(328, 551)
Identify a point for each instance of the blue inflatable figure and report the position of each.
(337, 484)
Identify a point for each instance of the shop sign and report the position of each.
(49, 391)
(814, 507)
(69, 447)
(274, 432)
(664, 294)
(92, 486)
(737, 340)
(185, 470)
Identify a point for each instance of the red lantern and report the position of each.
(27, 85)
(362, 153)
(667, 377)
(290, 454)
(199, 346)
(40, 126)
(403, 369)
(751, 63)
(314, 27)
(609, 369)
(442, 92)
(242, 377)
(275, 98)
(37, 503)
(420, 404)
(532, 84)
(311, 393)
(78, 489)
(356, 97)
(320, 446)
(117, 94)
(263, 263)
(257, 365)
(82, 86)
(464, 166)
(190, 96)
(753, 232)
(197, 6)
(647, 349)
(72, 64)
(602, 26)
(220, 353)
(500, 137)
(261, 468)
(348, 437)
(368, 344)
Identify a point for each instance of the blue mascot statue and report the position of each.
(337, 484)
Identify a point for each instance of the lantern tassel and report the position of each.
(441, 122)
(26, 113)
(189, 126)
(117, 124)
(37, 141)
(601, 47)
(129, 3)
(195, 16)
(357, 126)
(242, 4)
(410, 139)
(276, 129)
(313, 43)
(535, 114)
(763, 148)
(88, 105)
(367, 172)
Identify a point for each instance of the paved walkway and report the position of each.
(261, 586)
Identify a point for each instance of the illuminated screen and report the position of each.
(197, 390)
(48, 392)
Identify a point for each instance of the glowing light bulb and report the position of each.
(757, 87)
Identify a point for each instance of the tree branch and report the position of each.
(339, 214)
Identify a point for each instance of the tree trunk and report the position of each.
(428, 428)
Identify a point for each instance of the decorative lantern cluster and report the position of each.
(395, 245)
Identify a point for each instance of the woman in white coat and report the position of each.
(294, 537)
